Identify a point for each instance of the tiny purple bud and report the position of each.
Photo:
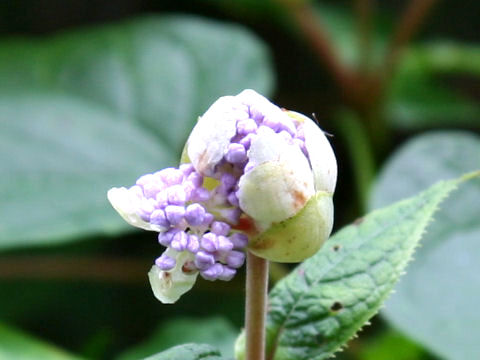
(246, 126)
(224, 244)
(179, 241)
(247, 141)
(171, 176)
(158, 218)
(152, 188)
(231, 215)
(195, 214)
(207, 220)
(271, 122)
(227, 181)
(200, 195)
(239, 240)
(213, 272)
(209, 242)
(236, 153)
(196, 179)
(176, 195)
(235, 259)
(165, 238)
(145, 179)
(186, 169)
(193, 243)
(203, 260)
(162, 199)
(146, 208)
(227, 273)
(165, 262)
(232, 199)
(174, 214)
(220, 228)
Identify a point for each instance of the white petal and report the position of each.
(168, 286)
(127, 204)
(320, 152)
(280, 183)
(209, 139)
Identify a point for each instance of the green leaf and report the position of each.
(418, 99)
(328, 298)
(189, 352)
(16, 345)
(88, 110)
(215, 331)
(436, 302)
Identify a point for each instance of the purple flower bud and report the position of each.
(162, 199)
(146, 208)
(176, 195)
(220, 228)
(224, 244)
(165, 238)
(165, 262)
(235, 259)
(247, 141)
(195, 214)
(186, 169)
(207, 220)
(289, 127)
(200, 195)
(196, 179)
(144, 179)
(193, 244)
(227, 273)
(158, 218)
(171, 176)
(232, 199)
(271, 122)
(231, 215)
(246, 126)
(213, 272)
(239, 240)
(179, 241)
(204, 260)
(174, 214)
(236, 153)
(209, 242)
(152, 188)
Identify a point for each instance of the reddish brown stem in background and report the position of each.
(315, 33)
(256, 306)
(406, 28)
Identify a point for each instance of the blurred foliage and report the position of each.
(86, 109)
(435, 300)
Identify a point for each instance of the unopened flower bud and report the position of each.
(252, 176)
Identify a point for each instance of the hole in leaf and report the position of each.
(336, 306)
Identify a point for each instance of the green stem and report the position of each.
(256, 306)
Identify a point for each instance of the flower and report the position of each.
(252, 175)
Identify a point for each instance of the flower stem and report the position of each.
(256, 306)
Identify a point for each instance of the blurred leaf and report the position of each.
(419, 100)
(16, 345)
(390, 345)
(436, 302)
(85, 111)
(189, 352)
(328, 298)
(214, 331)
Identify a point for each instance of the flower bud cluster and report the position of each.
(248, 165)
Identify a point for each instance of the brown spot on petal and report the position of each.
(264, 243)
(202, 162)
(299, 199)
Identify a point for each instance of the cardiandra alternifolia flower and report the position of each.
(253, 177)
